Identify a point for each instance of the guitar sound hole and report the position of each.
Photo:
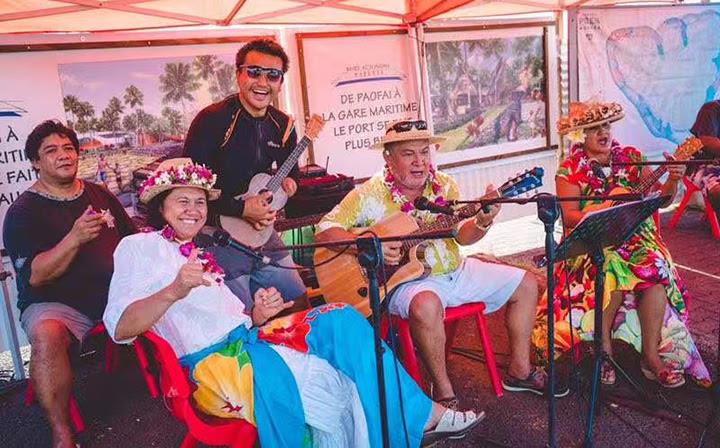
(265, 190)
(362, 291)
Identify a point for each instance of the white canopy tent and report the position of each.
(40, 16)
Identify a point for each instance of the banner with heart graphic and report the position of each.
(662, 64)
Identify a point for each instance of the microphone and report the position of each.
(423, 203)
(597, 169)
(223, 239)
(203, 240)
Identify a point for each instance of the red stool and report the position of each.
(177, 394)
(452, 319)
(111, 361)
(709, 211)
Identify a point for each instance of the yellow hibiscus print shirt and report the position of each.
(372, 201)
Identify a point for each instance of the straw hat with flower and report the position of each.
(587, 115)
(405, 130)
(178, 172)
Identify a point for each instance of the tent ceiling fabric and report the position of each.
(34, 16)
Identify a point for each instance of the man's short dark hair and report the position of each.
(44, 130)
(265, 46)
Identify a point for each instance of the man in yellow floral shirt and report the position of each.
(455, 281)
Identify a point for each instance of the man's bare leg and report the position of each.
(51, 377)
(427, 325)
(519, 319)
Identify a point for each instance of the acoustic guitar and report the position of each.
(685, 151)
(242, 230)
(342, 279)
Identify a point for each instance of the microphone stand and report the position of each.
(548, 212)
(370, 257)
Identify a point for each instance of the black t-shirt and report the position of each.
(35, 224)
(236, 146)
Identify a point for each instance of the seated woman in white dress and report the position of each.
(305, 379)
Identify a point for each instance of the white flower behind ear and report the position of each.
(577, 136)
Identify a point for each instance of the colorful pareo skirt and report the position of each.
(643, 261)
(244, 377)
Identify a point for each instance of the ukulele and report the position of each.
(685, 151)
(242, 230)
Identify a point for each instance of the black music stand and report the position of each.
(596, 231)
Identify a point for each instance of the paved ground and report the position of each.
(119, 412)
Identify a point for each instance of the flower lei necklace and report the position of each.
(405, 204)
(207, 259)
(617, 176)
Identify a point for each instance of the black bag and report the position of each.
(317, 195)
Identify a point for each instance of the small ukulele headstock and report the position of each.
(314, 126)
(688, 148)
(523, 182)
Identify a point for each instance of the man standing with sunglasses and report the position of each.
(454, 280)
(237, 138)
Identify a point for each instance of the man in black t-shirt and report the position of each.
(60, 234)
(237, 138)
(707, 129)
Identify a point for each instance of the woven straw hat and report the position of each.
(588, 115)
(392, 135)
(178, 172)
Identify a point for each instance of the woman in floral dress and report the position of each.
(645, 300)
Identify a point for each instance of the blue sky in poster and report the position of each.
(98, 82)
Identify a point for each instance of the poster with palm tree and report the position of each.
(130, 113)
(487, 91)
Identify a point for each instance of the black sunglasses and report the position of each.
(254, 71)
(404, 126)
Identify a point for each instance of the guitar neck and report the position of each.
(685, 151)
(287, 166)
(646, 184)
(524, 182)
(442, 222)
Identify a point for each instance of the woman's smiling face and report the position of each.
(185, 210)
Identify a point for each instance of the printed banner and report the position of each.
(358, 84)
(660, 63)
(27, 97)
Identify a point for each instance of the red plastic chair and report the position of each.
(177, 393)
(709, 211)
(111, 361)
(453, 316)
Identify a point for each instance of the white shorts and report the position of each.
(473, 281)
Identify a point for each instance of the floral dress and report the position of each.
(641, 262)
